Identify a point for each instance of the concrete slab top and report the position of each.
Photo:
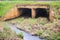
(32, 6)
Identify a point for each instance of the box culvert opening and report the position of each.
(25, 12)
(42, 12)
(39, 12)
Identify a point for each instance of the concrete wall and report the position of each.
(13, 12)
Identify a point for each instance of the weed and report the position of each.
(20, 35)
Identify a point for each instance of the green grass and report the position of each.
(7, 32)
(20, 34)
(27, 0)
(18, 0)
(58, 36)
(4, 7)
(39, 32)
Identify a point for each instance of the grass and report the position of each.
(39, 32)
(58, 36)
(7, 32)
(4, 7)
(57, 16)
(20, 34)
(27, 0)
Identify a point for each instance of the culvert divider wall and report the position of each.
(14, 12)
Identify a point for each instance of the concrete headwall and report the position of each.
(12, 13)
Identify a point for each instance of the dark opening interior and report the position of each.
(42, 12)
(25, 12)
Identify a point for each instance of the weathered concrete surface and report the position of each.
(33, 13)
(14, 12)
(32, 6)
(51, 15)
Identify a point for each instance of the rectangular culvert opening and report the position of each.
(42, 12)
(25, 12)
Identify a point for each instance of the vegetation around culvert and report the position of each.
(39, 26)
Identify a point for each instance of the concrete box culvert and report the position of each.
(30, 10)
